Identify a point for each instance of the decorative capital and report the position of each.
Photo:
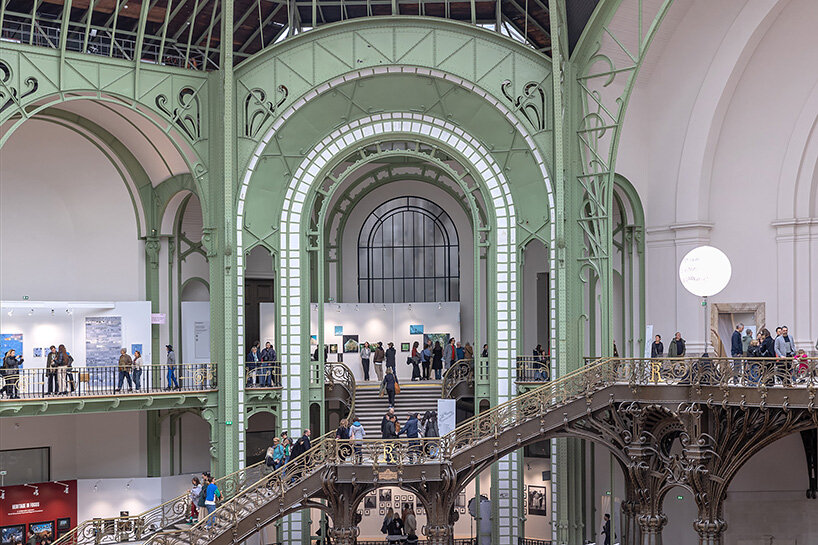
(152, 251)
(710, 528)
(209, 241)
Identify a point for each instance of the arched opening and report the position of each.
(680, 508)
(261, 428)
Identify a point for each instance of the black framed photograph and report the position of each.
(404, 347)
(333, 349)
(536, 501)
(385, 495)
(13, 535)
(369, 502)
(63, 527)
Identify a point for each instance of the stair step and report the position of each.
(418, 396)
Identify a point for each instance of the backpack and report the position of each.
(200, 501)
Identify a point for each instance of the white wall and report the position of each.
(372, 323)
(108, 497)
(195, 333)
(42, 329)
(68, 229)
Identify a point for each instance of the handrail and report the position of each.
(101, 380)
(137, 527)
(338, 374)
(460, 371)
(533, 368)
(265, 374)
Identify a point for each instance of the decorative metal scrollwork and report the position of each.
(257, 109)
(9, 94)
(531, 103)
(187, 115)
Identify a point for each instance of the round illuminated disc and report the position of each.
(705, 271)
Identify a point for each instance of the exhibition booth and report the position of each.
(348, 325)
(93, 332)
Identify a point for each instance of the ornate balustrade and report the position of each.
(265, 374)
(103, 380)
(458, 376)
(339, 382)
(101, 531)
(533, 368)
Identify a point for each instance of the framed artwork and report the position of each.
(339, 330)
(536, 501)
(63, 527)
(416, 329)
(333, 349)
(442, 338)
(38, 352)
(385, 495)
(369, 502)
(404, 347)
(39, 527)
(350, 343)
(12, 535)
(313, 340)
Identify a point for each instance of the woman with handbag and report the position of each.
(390, 385)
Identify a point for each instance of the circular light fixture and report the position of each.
(705, 271)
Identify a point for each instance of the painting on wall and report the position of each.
(333, 349)
(404, 347)
(385, 495)
(40, 527)
(350, 343)
(38, 352)
(536, 501)
(442, 338)
(370, 502)
(339, 330)
(416, 329)
(313, 340)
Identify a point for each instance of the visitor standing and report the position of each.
(461, 353)
(342, 433)
(11, 374)
(390, 386)
(745, 340)
(195, 492)
(426, 360)
(51, 370)
(124, 367)
(212, 497)
(366, 352)
(410, 524)
(485, 352)
(412, 430)
(64, 377)
(468, 352)
(606, 529)
(450, 354)
(171, 363)
(377, 359)
(677, 346)
(414, 359)
(386, 419)
(390, 358)
(137, 370)
(268, 358)
(251, 365)
(785, 352)
(437, 359)
(357, 434)
(657, 349)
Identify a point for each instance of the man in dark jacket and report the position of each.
(677, 346)
(268, 357)
(390, 357)
(736, 350)
(411, 430)
(386, 418)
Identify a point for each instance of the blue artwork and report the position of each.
(136, 348)
(103, 340)
(416, 329)
(339, 330)
(11, 341)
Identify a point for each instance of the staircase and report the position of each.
(419, 396)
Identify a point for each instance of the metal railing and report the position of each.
(101, 531)
(103, 380)
(533, 368)
(265, 374)
(461, 372)
(338, 375)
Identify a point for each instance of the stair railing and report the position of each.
(338, 375)
(462, 371)
(138, 527)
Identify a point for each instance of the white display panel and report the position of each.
(195, 332)
(385, 322)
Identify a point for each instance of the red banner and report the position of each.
(37, 508)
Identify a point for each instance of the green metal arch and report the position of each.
(191, 280)
(629, 191)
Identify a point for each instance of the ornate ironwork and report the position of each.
(257, 109)
(338, 375)
(459, 374)
(10, 95)
(530, 103)
(533, 368)
(187, 115)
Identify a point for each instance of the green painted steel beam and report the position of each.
(53, 406)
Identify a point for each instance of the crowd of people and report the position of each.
(431, 359)
(261, 367)
(59, 374)
(205, 496)
(400, 527)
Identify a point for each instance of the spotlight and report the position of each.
(30, 311)
(11, 312)
(69, 311)
(128, 484)
(339, 308)
(357, 309)
(440, 306)
(62, 484)
(36, 489)
(2, 494)
(384, 308)
(52, 312)
(410, 307)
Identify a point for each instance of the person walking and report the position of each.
(357, 434)
(390, 358)
(124, 367)
(410, 524)
(677, 346)
(366, 353)
(426, 360)
(342, 433)
(606, 529)
(64, 377)
(51, 370)
(468, 352)
(212, 496)
(137, 370)
(449, 354)
(412, 430)
(390, 514)
(378, 358)
(171, 363)
(195, 492)
(11, 373)
(386, 419)
(390, 385)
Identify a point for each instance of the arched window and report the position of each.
(408, 251)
